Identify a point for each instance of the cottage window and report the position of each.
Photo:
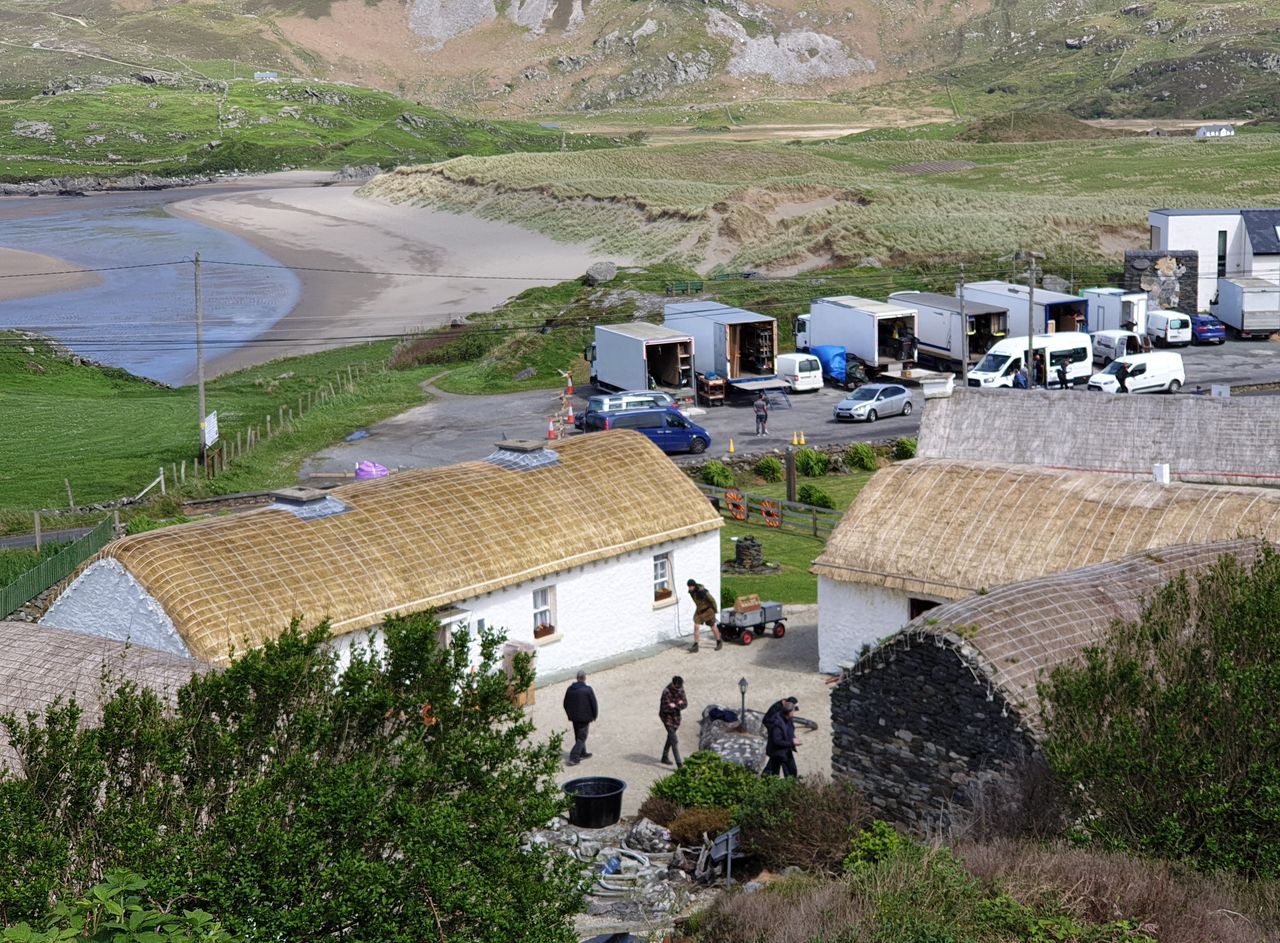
(662, 577)
(1222, 253)
(543, 614)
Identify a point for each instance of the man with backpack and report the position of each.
(704, 613)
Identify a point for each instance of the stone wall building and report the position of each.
(950, 701)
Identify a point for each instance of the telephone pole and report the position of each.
(200, 356)
(1030, 258)
(964, 334)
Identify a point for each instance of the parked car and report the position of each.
(627, 399)
(799, 371)
(1206, 329)
(1167, 328)
(669, 428)
(871, 402)
(1110, 345)
(1156, 372)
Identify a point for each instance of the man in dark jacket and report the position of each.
(581, 709)
(781, 749)
(669, 708)
(704, 613)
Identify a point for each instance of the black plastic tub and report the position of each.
(597, 800)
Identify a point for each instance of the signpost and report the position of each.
(210, 429)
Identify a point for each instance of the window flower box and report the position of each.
(543, 630)
(661, 594)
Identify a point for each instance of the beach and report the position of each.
(17, 262)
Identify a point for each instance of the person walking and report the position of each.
(781, 748)
(1122, 376)
(704, 613)
(761, 407)
(581, 709)
(1062, 374)
(669, 707)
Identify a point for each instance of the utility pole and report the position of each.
(1030, 258)
(964, 334)
(199, 356)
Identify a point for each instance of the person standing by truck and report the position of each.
(761, 408)
(704, 613)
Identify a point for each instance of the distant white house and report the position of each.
(1215, 131)
(1231, 243)
(581, 553)
(265, 77)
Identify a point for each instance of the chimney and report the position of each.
(1160, 473)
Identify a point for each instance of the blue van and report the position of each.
(670, 430)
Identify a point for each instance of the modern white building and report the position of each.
(582, 553)
(1215, 131)
(1230, 243)
(931, 531)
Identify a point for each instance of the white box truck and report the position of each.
(641, 356)
(1249, 307)
(880, 334)
(941, 332)
(1052, 310)
(1114, 309)
(739, 346)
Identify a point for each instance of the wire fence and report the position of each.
(57, 567)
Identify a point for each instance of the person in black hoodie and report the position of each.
(581, 709)
(781, 749)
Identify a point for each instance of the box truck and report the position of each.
(1114, 309)
(739, 346)
(878, 333)
(1051, 310)
(642, 356)
(1249, 307)
(944, 324)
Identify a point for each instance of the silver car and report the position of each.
(873, 401)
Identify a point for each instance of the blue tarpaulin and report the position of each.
(833, 360)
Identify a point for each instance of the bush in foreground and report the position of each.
(904, 449)
(804, 823)
(707, 780)
(812, 494)
(861, 456)
(717, 474)
(769, 468)
(811, 463)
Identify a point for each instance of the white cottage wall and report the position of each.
(1200, 232)
(851, 615)
(105, 600)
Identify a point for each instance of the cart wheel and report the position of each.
(747, 637)
(779, 630)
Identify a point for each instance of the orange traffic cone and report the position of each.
(569, 418)
(568, 388)
(551, 428)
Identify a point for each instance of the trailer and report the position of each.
(642, 356)
(730, 343)
(946, 325)
(881, 335)
(1249, 307)
(1051, 311)
(1114, 309)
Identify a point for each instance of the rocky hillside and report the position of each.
(519, 57)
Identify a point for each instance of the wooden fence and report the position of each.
(57, 567)
(788, 516)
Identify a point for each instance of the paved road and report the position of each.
(47, 537)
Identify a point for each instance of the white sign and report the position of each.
(210, 428)
(1220, 390)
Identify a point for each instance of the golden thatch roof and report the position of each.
(1014, 635)
(947, 529)
(38, 665)
(415, 540)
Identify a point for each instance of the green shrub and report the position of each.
(708, 780)
(811, 463)
(769, 468)
(877, 843)
(691, 824)
(804, 823)
(862, 456)
(660, 811)
(812, 494)
(904, 448)
(141, 523)
(717, 474)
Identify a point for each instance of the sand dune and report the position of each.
(16, 280)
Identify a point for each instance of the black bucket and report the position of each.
(597, 801)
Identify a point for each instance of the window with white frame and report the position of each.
(543, 611)
(662, 577)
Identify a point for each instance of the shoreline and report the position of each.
(15, 263)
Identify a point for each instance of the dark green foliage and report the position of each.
(448, 345)
(1166, 737)
(812, 494)
(717, 474)
(904, 448)
(805, 823)
(769, 468)
(708, 780)
(142, 523)
(878, 842)
(811, 463)
(296, 808)
(691, 825)
(862, 456)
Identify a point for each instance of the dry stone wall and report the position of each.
(917, 729)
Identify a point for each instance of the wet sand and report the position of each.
(16, 262)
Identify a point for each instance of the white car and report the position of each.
(1159, 372)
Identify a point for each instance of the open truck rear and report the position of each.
(876, 332)
(1051, 311)
(946, 326)
(1249, 307)
(738, 345)
(642, 356)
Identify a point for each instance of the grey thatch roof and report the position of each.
(39, 665)
(948, 529)
(1014, 635)
(413, 541)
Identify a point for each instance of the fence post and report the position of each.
(299, 407)
(173, 472)
(814, 512)
(282, 419)
(37, 517)
(268, 427)
(239, 450)
(71, 502)
(351, 383)
(162, 479)
(183, 471)
(115, 520)
(791, 473)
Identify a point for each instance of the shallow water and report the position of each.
(143, 319)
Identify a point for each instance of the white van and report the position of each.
(1112, 345)
(1144, 373)
(799, 371)
(1169, 327)
(1003, 359)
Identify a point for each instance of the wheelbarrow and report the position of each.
(744, 624)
